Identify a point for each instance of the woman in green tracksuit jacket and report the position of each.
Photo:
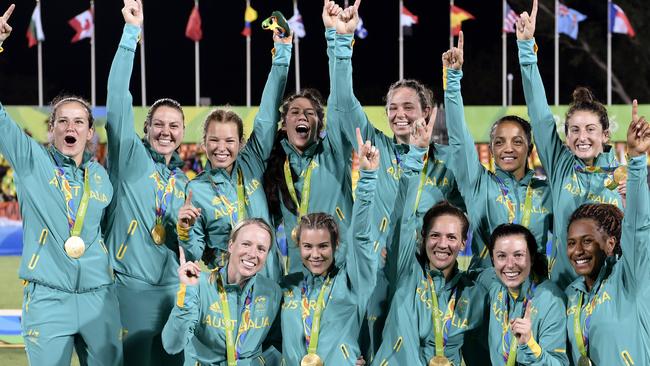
(69, 298)
(229, 189)
(141, 221)
(407, 101)
(324, 304)
(611, 295)
(578, 172)
(222, 318)
(510, 194)
(526, 321)
(430, 280)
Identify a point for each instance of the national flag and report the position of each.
(250, 15)
(406, 20)
(458, 16)
(568, 20)
(296, 24)
(361, 31)
(82, 24)
(510, 20)
(193, 29)
(35, 31)
(619, 22)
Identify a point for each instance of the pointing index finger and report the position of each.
(635, 111)
(9, 11)
(357, 3)
(533, 13)
(188, 197)
(461, 40)
(181, 255)
(359, 139)
(527, 313)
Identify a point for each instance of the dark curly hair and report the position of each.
(608, 217)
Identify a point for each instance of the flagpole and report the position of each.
(40, 60)
(401, 41)
(296, 54)
(93, 81)
(143, 73)
(609, 52)
(248, 64)
(556, 80)
(451, 33)
(197, 66)
(504, 56)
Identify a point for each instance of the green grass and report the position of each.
(11, 288)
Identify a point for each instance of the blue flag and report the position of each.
(361, 31)
(568, 20)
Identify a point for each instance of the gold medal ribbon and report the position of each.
(303, 205)
(582, 339)
(528, 203)
(311, 334)
(163, 195)
(75, 220)
(437, 319)
(231, 353)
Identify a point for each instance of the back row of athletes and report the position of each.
(104, 250)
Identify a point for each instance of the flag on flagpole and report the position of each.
(568, 20)
(361, 31)
(407, 19)
(296, 24)
(619, 23)
(510, 20)
(193, 29)
(35, 31)
(458, 16)
(83, 25)
(250, 15)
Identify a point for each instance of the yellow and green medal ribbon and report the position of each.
(75, 220)
(231, 353)
(437, 321)
(303, 205)
(577, 329)
(241, 197)
(528, 206)
(315, 325)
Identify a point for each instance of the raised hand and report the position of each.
(526, 24)
(368, 154)
(132, 12)
(331, 11)
(453, 59)
(5, 28)
(348, 19)
(521, 327)
(188, 214)
(188, 272)
(286, 40)
(638, 134)
(421, 130)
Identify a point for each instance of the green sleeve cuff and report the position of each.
(344, 45)
(282, 54)
(330, 36)
(527, 54)
(638, 162)
(414, 159)
(534, 347)
(130, 37)
(367, 182)
(186, 297)
(453, 79)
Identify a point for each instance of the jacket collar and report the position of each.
(291, 150)
(174, 163)
(581, 286)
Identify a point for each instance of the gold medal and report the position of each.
(311, 359)
(439, 361)
(158, 234)
(584, 361)
(620, 174)
(74, 247)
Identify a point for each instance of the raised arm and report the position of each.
(467, 167)
(361, 259)
(122, 139)
(635, 235)
(179, 329)
(261, 140)
(15, 145)
(349, 110)
(403, 246)
(552, 151)
(331, 12)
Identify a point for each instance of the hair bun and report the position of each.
(583, 95)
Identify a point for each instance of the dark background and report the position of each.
(170, 56)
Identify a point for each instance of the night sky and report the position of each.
(170, 56)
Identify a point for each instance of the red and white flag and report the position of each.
(35, 31)
(83, 24)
